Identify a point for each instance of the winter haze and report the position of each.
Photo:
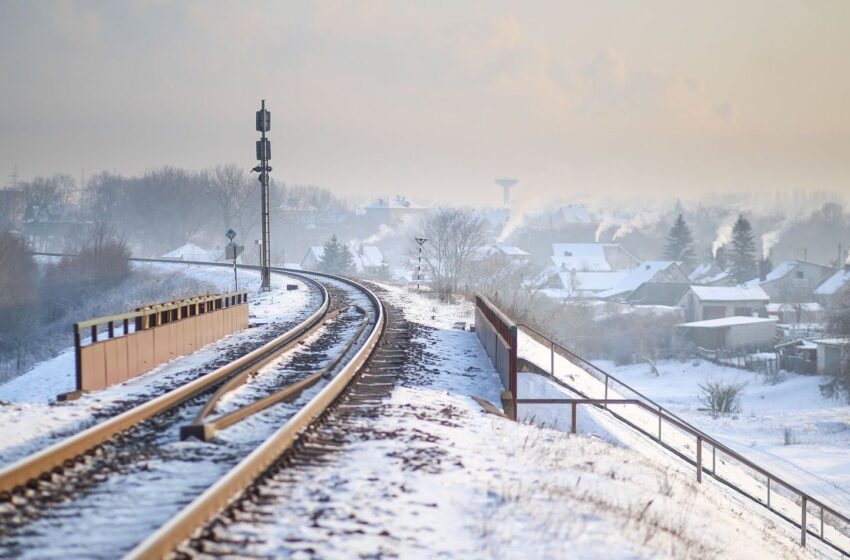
(435, 99)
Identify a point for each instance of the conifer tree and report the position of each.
(680, 243)
(336, 258)
(744, 264)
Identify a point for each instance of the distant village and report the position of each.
(565, 258)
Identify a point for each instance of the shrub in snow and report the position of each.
(721, 397)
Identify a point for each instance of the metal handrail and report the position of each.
(241, 296)
(675, 420)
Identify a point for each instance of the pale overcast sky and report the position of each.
(436, 99)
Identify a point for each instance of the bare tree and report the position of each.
(231, 193)
(453, 234)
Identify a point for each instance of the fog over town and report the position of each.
(658, 191)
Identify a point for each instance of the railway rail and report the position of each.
(36, 477)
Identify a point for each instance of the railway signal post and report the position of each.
(264, 154)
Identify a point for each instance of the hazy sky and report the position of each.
(436, 99)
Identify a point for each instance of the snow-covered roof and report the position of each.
(730, 293)
(777, 307)
(189, 252)
(727, 322)
(368, 256)
(487, 251)
(580, 249)
(582, 263)
(702, 270)
(638, 276)
(579, 282)
(835, 341)
(834, 283)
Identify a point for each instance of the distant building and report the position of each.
(709, 274)
(592, 257)
(499, 251)
(715, 302)
(789, 313)
(730, 333)
(794, 281)
(668, 294)
(833, 355)
(830, 292)
(392, 210)
(191, 252)
(367, 259)
(648, 272)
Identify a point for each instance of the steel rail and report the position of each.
(206, 429)
(54, 457)
(201, 510)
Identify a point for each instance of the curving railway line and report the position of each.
(146, 480)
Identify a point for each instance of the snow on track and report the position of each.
(35, 420)
(434, 477)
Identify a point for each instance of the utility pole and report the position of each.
(420, 241)
(264, 154)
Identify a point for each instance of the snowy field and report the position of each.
(30, 416)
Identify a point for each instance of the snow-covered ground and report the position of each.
(435, 477)
(592, 420)
(32, 419)
(817, 454)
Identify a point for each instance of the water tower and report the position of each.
(506, 185)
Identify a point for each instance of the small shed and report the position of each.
(833, 354)
(730, 332)
(799, 356)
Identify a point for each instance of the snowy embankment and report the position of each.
(789, 427)
(434, 476)
(32, 419)
(600, 422)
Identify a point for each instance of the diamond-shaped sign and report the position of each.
(230, 234)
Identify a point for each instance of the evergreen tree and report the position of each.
(680, 243)
(336, 258)
(744, 264)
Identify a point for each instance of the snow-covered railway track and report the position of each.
(124, 449)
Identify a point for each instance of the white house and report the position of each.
(592, 257)
(366, 258)
(716, 302)
(730, 332)
(794, 281)
(829, 293)
(646, 272)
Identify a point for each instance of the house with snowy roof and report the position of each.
(830, 292)
(794, 281)
(191, 252)
(571, 284)
(367, 258)
(592, 257)
(499, 251)
(648, 272)
(702, 303)
(709, 274)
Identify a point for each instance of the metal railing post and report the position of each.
(699, 459)
(574, 418)
(803, 522)
(552, 368)
(606, 389)
(768, 492)
(659, 423)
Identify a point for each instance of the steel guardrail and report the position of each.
(55, 456)
(654, 408)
